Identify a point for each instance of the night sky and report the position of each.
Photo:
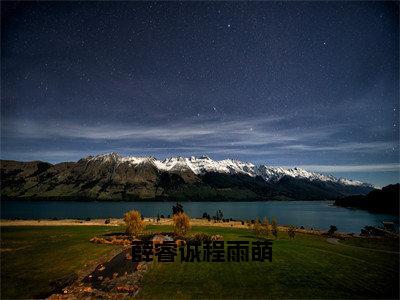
(309, 84)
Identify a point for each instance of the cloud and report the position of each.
(247, 137)
(346, 147)
(242, 132)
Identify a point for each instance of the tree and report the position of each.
(181, 223)
(134, 223)
(177, 208)
(219, 215)
(206, 215)
(265, 227)
(274, 229)
(291, 232)
(332, 230)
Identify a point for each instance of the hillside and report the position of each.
(114, 177)
(385, 200)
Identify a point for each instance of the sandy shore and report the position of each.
(148, 221)
(114, 222)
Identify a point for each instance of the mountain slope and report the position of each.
(385, 200)
(114, 177)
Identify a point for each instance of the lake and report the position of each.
(310, 214)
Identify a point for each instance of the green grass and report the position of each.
(381, 244)
(31, 257)
(305, 267)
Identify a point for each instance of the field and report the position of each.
(304, 267)
(32, 257)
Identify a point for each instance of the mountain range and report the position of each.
(115, 177)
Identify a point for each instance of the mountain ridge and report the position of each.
(111, 176)
(271, 172)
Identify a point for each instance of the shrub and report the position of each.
(181, 223)
(134, 223)
(274, 229)
(107, 221)
(206, 216)
(291, 232)
(257, 228)
(199, 237)
(265, 227)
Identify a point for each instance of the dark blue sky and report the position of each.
(311, 84)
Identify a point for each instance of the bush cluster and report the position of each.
(199, 237)
(134, 223)
(181, 224)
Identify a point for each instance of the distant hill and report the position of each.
(385, 200)
(114, 177)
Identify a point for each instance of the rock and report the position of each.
(217, 237)
(127, 289)
(117, 296)
(87, 289)
(158, 239)
(61, 283)
(180, 243)
(168, 238)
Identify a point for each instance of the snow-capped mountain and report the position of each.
(115, 177)
(204, 164)
(276, 173)
(198, 165)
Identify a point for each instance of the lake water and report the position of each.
(310, 214)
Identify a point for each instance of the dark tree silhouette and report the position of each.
(219, 215)
(177, 208)
(332, 229)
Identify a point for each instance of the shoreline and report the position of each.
(115, 222)
(119, 222)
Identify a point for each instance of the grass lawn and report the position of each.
(31, 257)
(305, 267)
(380, 244)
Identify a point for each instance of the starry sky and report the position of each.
(309, 84)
